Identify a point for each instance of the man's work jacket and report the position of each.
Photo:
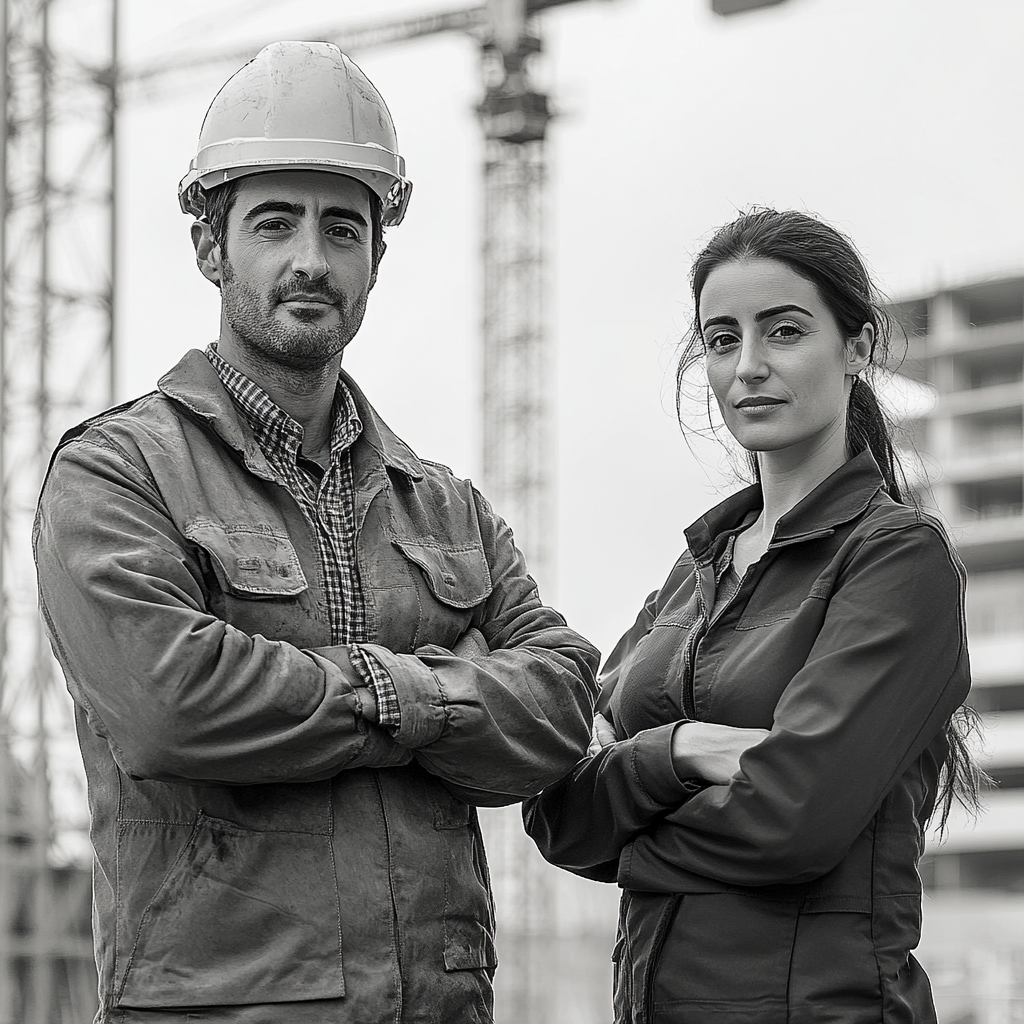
(262, 854)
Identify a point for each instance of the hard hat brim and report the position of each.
(377, 168)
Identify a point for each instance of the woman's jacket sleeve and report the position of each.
(582, 822)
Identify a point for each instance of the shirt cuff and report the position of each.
(376, 678)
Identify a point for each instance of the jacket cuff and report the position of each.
(420, 696)
(389, 710)
(654, 767)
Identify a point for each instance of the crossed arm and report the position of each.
(876, 692)
(181, 695)
(704, 749)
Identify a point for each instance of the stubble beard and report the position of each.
(308, 345)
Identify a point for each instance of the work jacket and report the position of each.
(262, 854)
(791, 894)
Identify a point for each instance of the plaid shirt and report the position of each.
(327, 501)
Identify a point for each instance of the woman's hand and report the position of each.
(712, 752)
(601, 735)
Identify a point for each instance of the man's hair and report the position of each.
(219, 201)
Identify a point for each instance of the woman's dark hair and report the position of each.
(828, 259)
(218, 203)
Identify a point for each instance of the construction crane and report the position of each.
(61, 92)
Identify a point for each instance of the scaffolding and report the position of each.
(56, 366)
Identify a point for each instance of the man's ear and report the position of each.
(208, 256)
(376, 265)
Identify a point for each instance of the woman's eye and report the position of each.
(723, 340)
(787, 331)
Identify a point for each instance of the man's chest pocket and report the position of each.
(254, 581)
(449, 582)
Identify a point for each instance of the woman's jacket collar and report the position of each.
(840, 497)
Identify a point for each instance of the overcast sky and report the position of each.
(901, 121)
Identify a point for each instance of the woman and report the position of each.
(774, 727)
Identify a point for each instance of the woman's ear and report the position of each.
(859, 349)
(208, 257)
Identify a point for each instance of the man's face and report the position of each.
(297, 266)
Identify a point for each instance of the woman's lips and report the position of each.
(760, 402)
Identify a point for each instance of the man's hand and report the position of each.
(712, 752)
(601, 735)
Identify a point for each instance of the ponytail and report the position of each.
(867, 428)
(962, 779)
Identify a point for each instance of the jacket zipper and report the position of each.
(690, 651)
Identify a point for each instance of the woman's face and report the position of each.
(777, 361)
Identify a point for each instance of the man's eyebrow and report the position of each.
(274, 206)
(787, 308)
(345, 214)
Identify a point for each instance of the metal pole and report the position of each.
(6, 865)
(112, 134)
(40, 818)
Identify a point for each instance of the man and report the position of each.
(299, 654)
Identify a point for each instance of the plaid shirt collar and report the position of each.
(276, 432)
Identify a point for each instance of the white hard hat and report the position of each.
(299, 106)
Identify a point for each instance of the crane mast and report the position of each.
(517, 443)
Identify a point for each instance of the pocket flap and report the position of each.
(249, 560)
(457, 576)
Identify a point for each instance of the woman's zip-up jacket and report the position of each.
(792, 893)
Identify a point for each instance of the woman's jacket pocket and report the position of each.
(241, 917)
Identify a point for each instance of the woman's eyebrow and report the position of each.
(775, 310)
(712, 321)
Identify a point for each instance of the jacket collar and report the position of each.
(840, 497)
(194, 383)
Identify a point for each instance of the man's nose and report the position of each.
(309, 259)
(751, 367)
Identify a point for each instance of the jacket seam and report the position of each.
(337, 895)
(436, 545)
(635, 773)
(874, 944)
(106, 443)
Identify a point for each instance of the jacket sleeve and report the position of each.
(179, 694)
(582, 822)
(888, 669)
(501, 726)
